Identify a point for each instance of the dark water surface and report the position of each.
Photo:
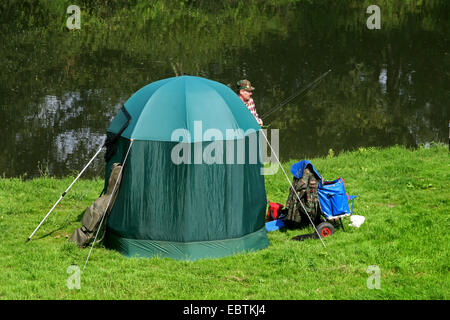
(59, 90)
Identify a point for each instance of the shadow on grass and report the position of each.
(305, 224)
(66, 224)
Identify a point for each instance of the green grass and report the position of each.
(404, 195)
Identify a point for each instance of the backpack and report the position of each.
(274, 211)
(93, 214)
(275, 216)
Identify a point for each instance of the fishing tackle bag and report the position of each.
(94, 213)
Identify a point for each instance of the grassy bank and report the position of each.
(404, 195)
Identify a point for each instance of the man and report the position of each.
(245, 93)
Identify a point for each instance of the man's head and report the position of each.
(245, 89)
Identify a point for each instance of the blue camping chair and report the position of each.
(334, 200)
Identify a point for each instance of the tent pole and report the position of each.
(293, 189)
(109, 202)
(64, 193)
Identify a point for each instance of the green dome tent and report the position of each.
(192, 185)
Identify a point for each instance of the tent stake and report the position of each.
(64, 193)
(107, 206)
(293, 189)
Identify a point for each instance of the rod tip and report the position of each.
(28, 240)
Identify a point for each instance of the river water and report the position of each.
(60, 90)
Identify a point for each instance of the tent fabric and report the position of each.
(162, 107)
(160, 200)
(188, 250)
(188, 210)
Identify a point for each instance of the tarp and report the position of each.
(298, 168)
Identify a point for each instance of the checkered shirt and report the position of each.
(251, 106)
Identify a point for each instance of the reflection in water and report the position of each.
(61, 144)
(52, 108)
(67, 143)
(390, 86)
(382, 79)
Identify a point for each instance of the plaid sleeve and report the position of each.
(251, 106)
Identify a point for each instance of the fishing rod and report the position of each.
(107, 143)
(65, 192)
(295, 95)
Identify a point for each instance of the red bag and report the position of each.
(274, 211)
